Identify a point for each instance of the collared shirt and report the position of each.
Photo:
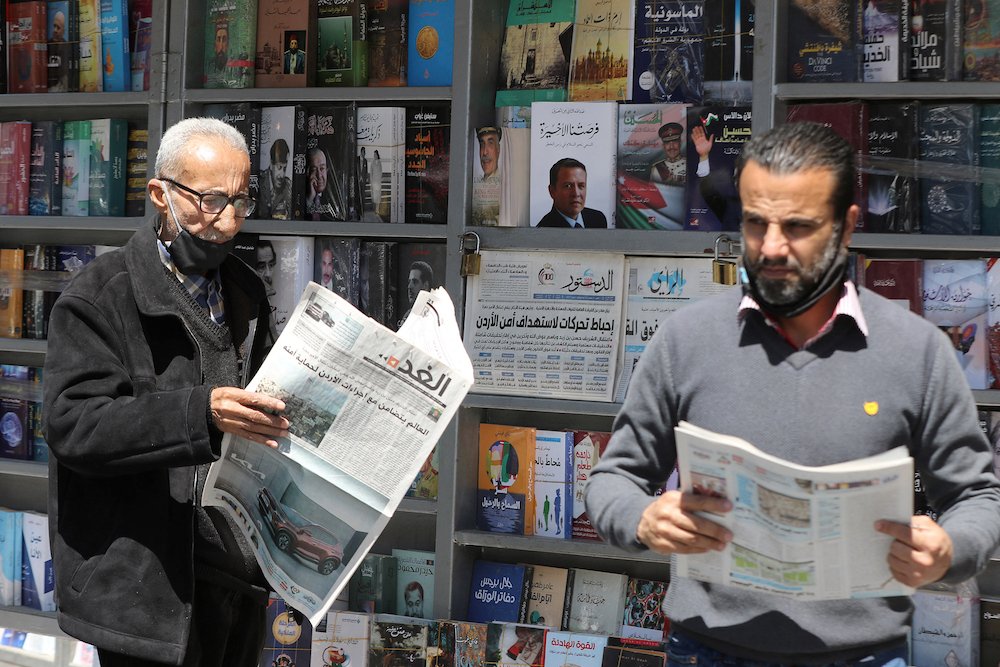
(578, 222)
(206, 290)
(848, 305)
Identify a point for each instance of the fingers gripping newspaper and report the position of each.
(798, 531)
(366, 406)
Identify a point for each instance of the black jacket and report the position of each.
(127, 421)
(592, 219)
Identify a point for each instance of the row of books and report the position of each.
(26, 576)
(298, 43)
(75, 167)
(344, 162)
(21, 432)
(69, 46)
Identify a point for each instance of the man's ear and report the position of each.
(850, 220)
(156, 195)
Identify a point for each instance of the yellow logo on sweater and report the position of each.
(871, 408)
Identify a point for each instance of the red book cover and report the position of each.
(27, 54)
(899, 280)
(587, 449)
(15, 167)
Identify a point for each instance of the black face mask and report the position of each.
(192, 255)
(833, 276)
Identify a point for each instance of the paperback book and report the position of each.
(729, 41)
(342, 35)
(601, 58)
(387, 42)
(230, 41)
(91, 48)
(989, 159)
(669, 51)
(596, 602)
(337, 266)
(14, 440)
(342, 642)
(136, 172)
(547, 596)
(414, 583)
(936, 40)
(949, 190)
(116, 65)
(553, 484)
(38, 576)
(945, 627)
(372, 587)
(381, 140)
(63, 32)
(15, 162)
(825, 42)
(421, 267)
(331, 163)
(893, 144)
(563, 649)
(980, 34)
(27, 61)
(287, 640)
(587, 449)
(285, 265)
(505, 499)
(470, 643)
(285, 45)
(964, 321)
(428, 144)
(397, 641)
(10, 557)
(515, 645)
(76, 167)
(717, 137)
(379, 295)
(45, 188)
(534, 58)
(108, 148)
(989, 631)
(430, 42)
(644, 617)
(280, 140)
(886, 28)
(140, 43)
(899, 280)
(498, 592)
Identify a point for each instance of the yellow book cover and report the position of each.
(11, 264)
(506, 488)
(91, 69)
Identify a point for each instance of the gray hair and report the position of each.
(177, 140)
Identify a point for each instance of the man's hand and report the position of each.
(702, 142)
(921, 552)
(669, 525)
(249, 415)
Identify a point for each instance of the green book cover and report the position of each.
(108, 147)
(342, 58)
(230, 43)
(534, 59)
(76, 167)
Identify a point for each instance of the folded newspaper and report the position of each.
(366, 406)
(798, 531)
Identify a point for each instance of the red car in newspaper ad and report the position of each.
(296, 535)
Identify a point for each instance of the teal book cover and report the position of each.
(230, 43)
(534, 58)
(431, 42)
(414, 583)
(116, 67)
(108, 147)
(76, 167)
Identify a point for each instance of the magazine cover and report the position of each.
(652, 166)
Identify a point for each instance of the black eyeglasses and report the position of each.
(214, 202)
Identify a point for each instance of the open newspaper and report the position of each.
(366, 406)
(798, 531)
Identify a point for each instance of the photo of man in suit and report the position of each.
(295, 60)
(568, 189)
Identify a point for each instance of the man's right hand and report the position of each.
(249, 415)
(669, 524)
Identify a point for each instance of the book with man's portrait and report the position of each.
(286, 44)
(230, 39)
(652, 166)
(245, 117)
(717, 135)
(331, 163)
(414, 582)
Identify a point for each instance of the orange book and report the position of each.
(11, 294)
(506, 490)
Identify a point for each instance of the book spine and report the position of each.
(568, 602)
(525, 599)
(135, 170)
(905, 40)
(300, 175)
(116, 68)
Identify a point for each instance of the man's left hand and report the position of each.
(921, 552)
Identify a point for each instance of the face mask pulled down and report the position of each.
(192, 255)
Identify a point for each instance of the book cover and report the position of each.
(286, 48)
(956, 299)
(10, 557)
(632, 656)
(717, 137)
(343, 642)
(899, 280)
(487, 176)
(33, 320)
(850, 121)
(729, 40)
(108, 147)
(563, 649)
(936, 50)
(76, 167)
(91, 76)
(587, 449)
(45, 177)
(596, 602)
(421, 266)
(497, 592)
(15, 166)
(14, 427)
(515, 180)
(337, 266)
(428, 144)
(505, 497)
(140, 43)
(430, 44)
(989, 631)
(441, 644)
(601, 56)
(824, 42)
(11, 304)
(230, 41)
(980, 35)
(27, 49)
(585, 133)
(287, 641)
(425, 483)
(332, 165)
(547, 596)
(993, 319)
(245, 117)
(414, 583)
(38, 579)
(644, 617)
(387, 42)
(470, 643)
(396, 642)
(886, 29)
(379, 295)
(372, 587)
(136, 166)
(515, 645)
(893, 193)
(945, 628)
(285, 265)
(553, 484)
(949, 191)
(116, 65)
(275, 155)
(669, 51)
(63, 34)
(989, 158)
(381, 138)
(342, 38)
(652, 166)
(534, 57)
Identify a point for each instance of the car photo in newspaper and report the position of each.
(366, 406)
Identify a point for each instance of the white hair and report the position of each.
(178, 139)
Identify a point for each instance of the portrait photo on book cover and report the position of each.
(294, 59)
(568, 190)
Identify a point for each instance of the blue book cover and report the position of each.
(950, 194)
(286, 642)
(116, 66)
(431, 42)
(10, 558)
(669, 52)
(497, 592)
(37, 576)
(554, 484)
(716, 137)
(824, 42)
(14, 426)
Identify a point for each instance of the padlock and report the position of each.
(471, 261)
(724, 271)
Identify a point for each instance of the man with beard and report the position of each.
(813, 369)
(221, 45)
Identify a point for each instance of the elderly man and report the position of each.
(813, 369)
(149, 348)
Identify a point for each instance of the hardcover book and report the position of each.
(553, 484)
(936, 40)
(342, 37)
(893, 193)
(945, 628)
(14, 424)
(505, 499)
(669, 51)
(286, 48)
(886, 28)
(514, 645)
(498, 592)
(644, 617)
(379, 295)
(76, 167)
(279, 142)
(563, 649)
(396, 641)
(964, 320)
(729, 40)
(587, 134)
(116, 65)
(343, 642)
(33, 316)
(387, 42)
(285, 264)
(372, 587)
(534, 58)
(652, 166)
(230, 43)
(430, 43)
(428, 145)
(980, 34)
(824, 42)
(11, 305)
(332, 164)
(547, 596)
(91, 69)
(245, 117)
(15, 163)
(10, 557)
(414, 583)
(949, 194)
(38, 579)
(717, 137)
(140, 43)
(63, 33)
(135, 172)
(108, 147)
(596, 602)
(287, 641)
(989, 631)
(601, 57)
(337, 266)
(989, 159)
(421, 267)
(45, 177)
(587, 449)
(27, 60)
(899, 280)
(381, 137)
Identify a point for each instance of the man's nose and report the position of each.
(775, 243)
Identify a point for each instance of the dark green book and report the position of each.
(108, 148)
(372, 588)
(230, 43)
(342, 58)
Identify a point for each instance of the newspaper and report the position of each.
(366, 406)
(545, 323)
(798, 531)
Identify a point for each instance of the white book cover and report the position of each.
(597, 602)
(38, 580)
(956, 299)
(285, 264)
(945, 628)
(381, 163)
(344, 642)
(586, 132)
(277, 151)
(10, 558)
(574, 649)
(414, 583)
(554, 483)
